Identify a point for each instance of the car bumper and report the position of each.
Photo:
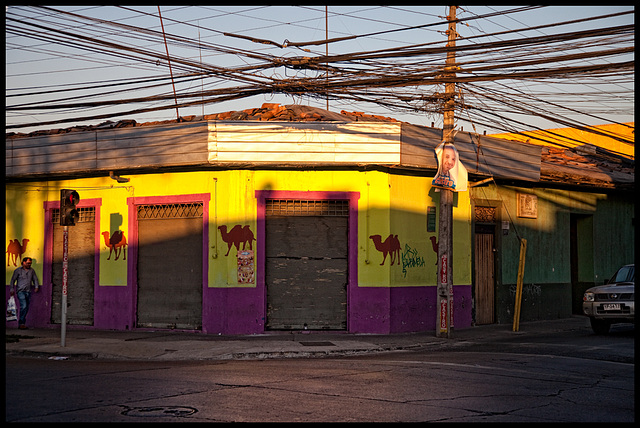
(623, 311)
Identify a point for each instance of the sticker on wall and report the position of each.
(245, 267)
(15, 250)
(116, 243)
(390, 246)
(237, 235)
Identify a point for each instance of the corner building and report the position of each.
(246, 227)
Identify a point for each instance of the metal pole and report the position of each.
(516, 312)
(445, 232)
(65, 275)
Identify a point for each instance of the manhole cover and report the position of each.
(174, 411)
(317, 344)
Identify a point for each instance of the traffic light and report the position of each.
(68, 211)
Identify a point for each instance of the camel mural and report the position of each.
(434, 245)
(391, 246)
(236, 236)
(116, 243)
(15, 250)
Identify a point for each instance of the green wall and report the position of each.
(604, 241)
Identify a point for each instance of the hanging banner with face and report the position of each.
(451, 174)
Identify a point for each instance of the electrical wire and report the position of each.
(499, 75)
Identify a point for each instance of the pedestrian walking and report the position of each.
(21, 281)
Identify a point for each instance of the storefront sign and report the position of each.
(431, 219)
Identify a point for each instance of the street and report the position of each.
(568, 377)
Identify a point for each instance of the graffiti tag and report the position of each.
(410, 259)
(528, 290)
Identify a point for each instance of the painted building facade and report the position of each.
(575, 240)
(580, 225)
(179, 263)
(246, 228)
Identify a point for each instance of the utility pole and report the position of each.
(445, 232)
(326, 46)
(169, 62)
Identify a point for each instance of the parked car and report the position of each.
(612, 302)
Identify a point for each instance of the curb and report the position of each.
(51, 355)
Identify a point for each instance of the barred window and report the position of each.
(485, 214)
(299, 207)
(87, 214)
(189, 210)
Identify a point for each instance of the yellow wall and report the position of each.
(388, 204)
(567, 137)
(24, 220)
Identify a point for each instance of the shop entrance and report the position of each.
(306, 269)
(484, 265)
(170, 266)
(81, 269)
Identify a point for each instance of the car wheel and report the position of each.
(600, 326)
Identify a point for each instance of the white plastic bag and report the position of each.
(11, 309)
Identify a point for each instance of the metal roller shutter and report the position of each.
(306, 264)
(80, 279)
(170, 266)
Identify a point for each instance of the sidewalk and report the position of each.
(164, 345)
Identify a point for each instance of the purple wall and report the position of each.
(403, 309)
(231, 311)
(235, 310)
(113, 308)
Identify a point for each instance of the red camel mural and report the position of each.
(236, 236)
(391, 245)
(434, 245)
(15, 250)
(117, 243)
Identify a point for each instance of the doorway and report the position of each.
(484, 265)
(306, 267)
(170, 266)
(581, 253)
(81, 269)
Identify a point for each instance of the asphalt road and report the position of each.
(568, 377)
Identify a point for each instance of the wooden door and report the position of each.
(484, 275)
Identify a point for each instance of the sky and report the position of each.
(67, 66)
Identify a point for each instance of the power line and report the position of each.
(401, 78)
